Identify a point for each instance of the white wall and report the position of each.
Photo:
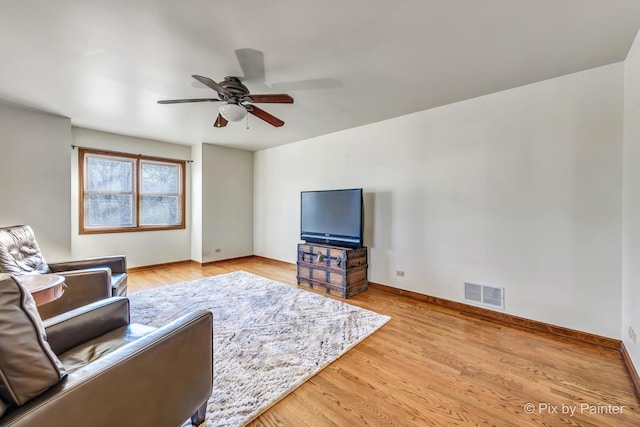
(196, 203)
(34, 177)
(631, 204)
(227, 203)
(141, 248)
(39, 186)
(521, 189)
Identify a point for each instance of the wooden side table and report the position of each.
(43, 287)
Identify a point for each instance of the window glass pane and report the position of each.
(109, 210)
(160, 210)
(109, 189)
(161, 178)
(112, 175)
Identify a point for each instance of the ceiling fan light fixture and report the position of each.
(233, 112)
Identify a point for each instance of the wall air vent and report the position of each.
(486, 295)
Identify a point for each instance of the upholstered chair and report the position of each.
(87, 280)
(92, 367)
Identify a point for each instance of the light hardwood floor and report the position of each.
(432, 366)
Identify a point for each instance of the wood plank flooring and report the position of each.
(433, 366)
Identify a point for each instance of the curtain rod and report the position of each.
(73, 147)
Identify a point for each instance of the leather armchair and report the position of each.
(87, 280)
(123, 374)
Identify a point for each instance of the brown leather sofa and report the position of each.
(87, 280)
(95, 368)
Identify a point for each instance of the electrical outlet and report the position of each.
(632, 334)
(399, 273)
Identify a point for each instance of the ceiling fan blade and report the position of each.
(275, 98)
(213, 85)
(252, 63)
(220, 121)
(269, 118)
(178, 101)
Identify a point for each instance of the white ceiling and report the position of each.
(104, 64)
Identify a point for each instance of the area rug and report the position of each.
(269, 337)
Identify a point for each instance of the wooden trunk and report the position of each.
(332, 256)
(337, 271)
(338, 291)
(331, 276)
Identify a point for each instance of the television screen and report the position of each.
(333, 217)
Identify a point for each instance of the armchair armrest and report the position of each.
(117, 264)
(160, 379)
(83, 287)
(74, 327)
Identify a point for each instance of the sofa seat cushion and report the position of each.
(119, 285)
(94, 349)
(3, 407)
(28, 366)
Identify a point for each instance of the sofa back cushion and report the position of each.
(19, 251)
(28, 367)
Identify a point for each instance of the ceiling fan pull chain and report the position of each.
(247, 122)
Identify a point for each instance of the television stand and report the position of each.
(334, 270)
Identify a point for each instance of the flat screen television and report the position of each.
(332, 217)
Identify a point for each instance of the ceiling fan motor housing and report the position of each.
(235, 87)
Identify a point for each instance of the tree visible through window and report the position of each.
(124, 192)
(160, 193)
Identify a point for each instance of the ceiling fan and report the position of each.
(237, 101)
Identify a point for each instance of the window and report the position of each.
(125, 192)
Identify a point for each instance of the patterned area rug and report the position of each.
(269, 337)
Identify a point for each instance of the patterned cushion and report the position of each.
(19, 251)
(28, 367)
